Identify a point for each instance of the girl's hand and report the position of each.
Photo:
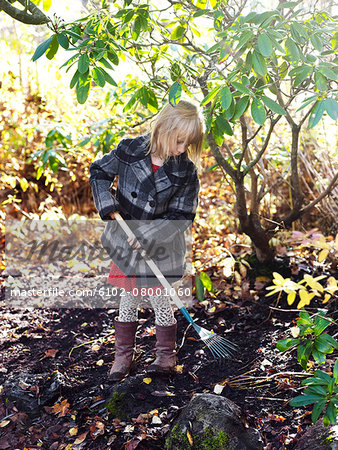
(133, 242)
(112, 215)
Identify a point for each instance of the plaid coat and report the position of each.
(157, 206)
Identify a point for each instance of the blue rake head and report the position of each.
(219, 346)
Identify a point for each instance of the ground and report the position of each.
(79, 345)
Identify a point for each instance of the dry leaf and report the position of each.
(50, 353)
(99, 362)
(190, 439)
(61, 408)
(73, 431)
(4, 423)
(80, 438)
(147, 380)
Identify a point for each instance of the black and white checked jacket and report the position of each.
(158, 206)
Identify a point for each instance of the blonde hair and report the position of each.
(184, 120)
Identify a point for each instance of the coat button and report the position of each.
(133, 194)
(152, 203)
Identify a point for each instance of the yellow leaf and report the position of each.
(305, 298)
(179, 368)
(278, 279)
(147, 380)
(322, 255)
(99, 362)
(190, 439)
(326, 298)
(238, 278)
(73, 431)
(291, 297)
(313, 284)
(4, 423)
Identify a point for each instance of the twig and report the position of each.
(270, 398)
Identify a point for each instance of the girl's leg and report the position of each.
(128, 307)
(166, 328)
(164, 315)
(125, 330)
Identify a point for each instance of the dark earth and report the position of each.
(71, 350)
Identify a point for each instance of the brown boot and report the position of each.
(165, 361)
(124, 349)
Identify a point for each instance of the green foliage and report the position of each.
(310, 339)
(322, 389)
(202, 282)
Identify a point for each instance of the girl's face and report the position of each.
(180, 147)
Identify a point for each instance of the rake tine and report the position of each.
(218, 350)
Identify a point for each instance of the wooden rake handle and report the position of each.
(150, 263)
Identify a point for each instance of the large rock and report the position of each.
(317, 437)
(211, 422)
(29, 392)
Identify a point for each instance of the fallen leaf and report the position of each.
(99, 362)
(80, 438)
(190, 439)
(73, 431)
(97, 429)
(50, 353)
(147, 380)
(61, 408)
(4, 423)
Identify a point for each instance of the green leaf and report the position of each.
(105, 63)
(329, 340)
(199, 288)
(53, 48)
(320, 82)
(75, 79)
(207, 283)
(318, 356)
(323, 375)
(292, 51)
(285, 5)
(223, 126)
(303, 353)
(241, 106)
(283, 69)
(335, 371)
(303, 72)
(331, 107)
(241, 88)
(83, 63)
(275, 107)
(177, 33)
(328, 73)
(264, 45)
(316, 42)
(108, 78)
(225, 97)
(112, 56)
(83, 87)
(320, 325)
(303, 400)
(175, 93)
(244, 38)
(259, 64)
(313, 381)
(210, 96)
(331, 413)
(285, 344)
(316, 113)
(42, 48)
(134, 98)
(317, 390)
(63, 40)
(258, 112)
(98, 76)
(317, 409)
(326, 420)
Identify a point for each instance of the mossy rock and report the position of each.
(211, 422)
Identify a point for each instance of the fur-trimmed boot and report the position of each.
(124, 349)
(165, 361)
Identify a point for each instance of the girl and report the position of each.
(158, 190)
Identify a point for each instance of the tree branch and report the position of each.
(31, 16)
(321, 196)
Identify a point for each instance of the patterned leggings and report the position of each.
(164, 315)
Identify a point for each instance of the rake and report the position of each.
(219, 347)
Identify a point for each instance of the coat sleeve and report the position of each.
(102, 174)
(178, 217)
